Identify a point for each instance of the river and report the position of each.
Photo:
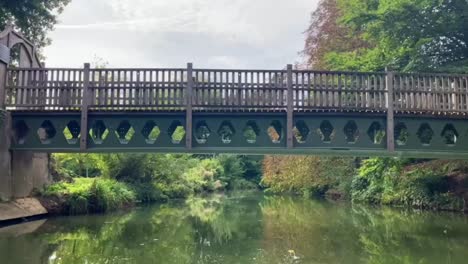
(242, 228)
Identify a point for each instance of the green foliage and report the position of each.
(307, 175)
(33, 17)
(179, 134)
(405, 35)
(374, 179)
(85, 195)
(202, 177)
(81, 165)
(428, 184)
(155, 177)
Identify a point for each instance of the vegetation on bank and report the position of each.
(435, 184)
(87, 195)
(425, 184)
(308, 175)
(89, 183)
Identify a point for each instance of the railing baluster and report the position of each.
(290, 109)
(188, 117)
(84, 108)
(390, 112)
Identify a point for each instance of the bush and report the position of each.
(307, 175)
(85, 195)
(436, 184)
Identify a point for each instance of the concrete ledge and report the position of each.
(17, 230)
(21, 208)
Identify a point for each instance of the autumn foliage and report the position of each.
(306, 174)
(325, 34)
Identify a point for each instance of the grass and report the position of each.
(89, 195)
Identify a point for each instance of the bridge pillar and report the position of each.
(390, 112)
(5, 159)
(20, 171)
(5, 128)
(29, 171)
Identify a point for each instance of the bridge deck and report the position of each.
(238, 111)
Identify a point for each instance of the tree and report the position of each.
(325, 34)
(34, 18)
(406, 35)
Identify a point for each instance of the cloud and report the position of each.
(233, 33)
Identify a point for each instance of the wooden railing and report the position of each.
(239, 89)
(229, 90)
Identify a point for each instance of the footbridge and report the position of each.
(196, 110)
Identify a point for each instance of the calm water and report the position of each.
(242, 228)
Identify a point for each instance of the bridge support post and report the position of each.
(5, 128)
(289, 109)
(3, 73)
(84, 109)
(6, 191)
(188, 113)
(390, 112)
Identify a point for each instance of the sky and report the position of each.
(254, 34)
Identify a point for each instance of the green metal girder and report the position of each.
(212, 141)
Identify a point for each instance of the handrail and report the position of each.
(166, 89)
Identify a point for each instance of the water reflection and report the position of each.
(244, 228)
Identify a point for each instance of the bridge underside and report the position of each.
(245, 133)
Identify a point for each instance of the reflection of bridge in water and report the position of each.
(237, 111)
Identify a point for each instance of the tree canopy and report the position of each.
(405, 35)
(34, 18)
(325, 34)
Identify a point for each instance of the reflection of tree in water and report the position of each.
(228, 228)
(200, 230)
(306, 229)
(143, 236)
(391, 236)
(223, 229)
(322, 233)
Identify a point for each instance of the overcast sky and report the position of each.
(169, 33)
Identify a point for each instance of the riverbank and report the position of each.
(416, 183)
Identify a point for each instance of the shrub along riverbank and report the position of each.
(90, 183)
(425, 184)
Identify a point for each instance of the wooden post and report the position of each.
(3, 81)
(188, 114)
(85, 100)
(390, 112)
(289, 109)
